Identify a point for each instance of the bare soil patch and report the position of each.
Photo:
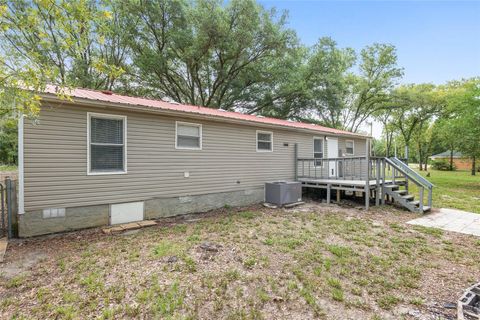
(313, 261)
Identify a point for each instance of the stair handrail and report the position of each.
(415, 177)
(402, 170)
(412, 173)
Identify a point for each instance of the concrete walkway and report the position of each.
(451, 220)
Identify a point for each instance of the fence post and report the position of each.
(2, 200)
(9, 189)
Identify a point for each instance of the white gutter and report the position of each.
(21, 183)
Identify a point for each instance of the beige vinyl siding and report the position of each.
(56, 159)
(319, 171)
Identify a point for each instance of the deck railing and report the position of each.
(348, 168)
(345, 168)
(368, 169)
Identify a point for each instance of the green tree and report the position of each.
(208, 53)
(413, 108)
(342, 98)
(378, 74)
(67, 42)
(8, 141)
(329, 79)
(446, 136)
(423, 139)
(389, 131)
(464, 108)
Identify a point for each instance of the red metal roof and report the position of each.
(110, 97)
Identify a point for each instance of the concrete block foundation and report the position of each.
(33, 224)
(169, 207)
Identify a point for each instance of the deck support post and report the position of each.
(367, 180)
(384, 164)
(377, 189)
(338, 195)
(430, 197)
(329, 191)
(420, 205)
(367, 197)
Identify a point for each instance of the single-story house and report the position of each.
(460, 161)
(101, 158)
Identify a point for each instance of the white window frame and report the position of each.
(91, 115)
(271, 140)
(353, 148)
(198, 125)
(323, 151)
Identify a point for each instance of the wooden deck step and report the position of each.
(416, 203)
(408, 197)
(128, 226)
(401, 192)
(392, 186)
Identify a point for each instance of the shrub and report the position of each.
(442, 164)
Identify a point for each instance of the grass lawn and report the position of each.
(315, 261)
(455, 189)
(5, 167)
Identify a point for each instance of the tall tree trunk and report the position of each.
(451, 159)
(473, 166)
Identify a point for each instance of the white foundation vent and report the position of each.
(126, 212)
(53, 213)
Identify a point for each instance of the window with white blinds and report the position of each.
(264, 141)
(106, 144)
(188, 136)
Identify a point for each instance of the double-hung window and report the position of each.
(107, 144)
(318, 151)
(188, 136)
(264, 141)
(349, 147)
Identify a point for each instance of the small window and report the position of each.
(189, 136)
(349, 147)
(264, 141)
(318, 151)
(106, 145)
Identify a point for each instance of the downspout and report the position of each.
(21, 177)
(295, 160)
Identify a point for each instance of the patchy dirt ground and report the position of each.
(313, 261)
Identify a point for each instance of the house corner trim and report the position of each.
(21, 184)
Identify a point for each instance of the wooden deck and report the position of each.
(373, 178)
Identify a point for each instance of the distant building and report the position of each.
(460, 161)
